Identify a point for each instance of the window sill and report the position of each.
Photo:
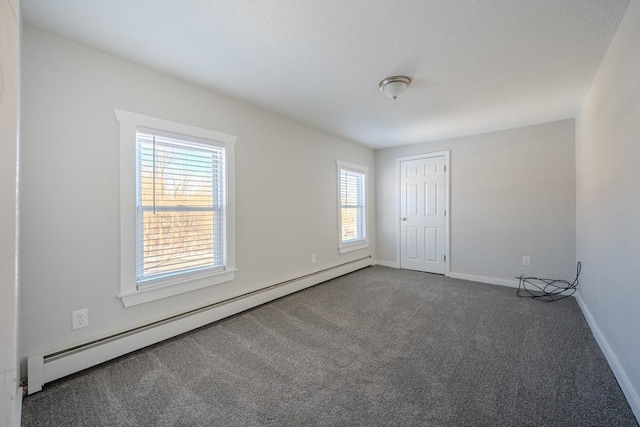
(353, 246)
(144, 295)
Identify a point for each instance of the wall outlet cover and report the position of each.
(80, 318)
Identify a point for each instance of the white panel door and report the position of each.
(423, 214)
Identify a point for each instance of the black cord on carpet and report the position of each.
(547, 290)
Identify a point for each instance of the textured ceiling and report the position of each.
(476, 66)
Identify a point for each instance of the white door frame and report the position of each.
(447, 220)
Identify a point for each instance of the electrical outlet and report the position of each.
(314, 259)
(526, 260)
(80, 318)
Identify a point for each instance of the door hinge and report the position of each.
(445, 168)
(445, 257)
(445, 213)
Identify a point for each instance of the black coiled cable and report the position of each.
(547, 290)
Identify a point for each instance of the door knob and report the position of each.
(404, 218)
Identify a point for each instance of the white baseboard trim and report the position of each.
(482, 279)
(384, 263)
(623, 379)
(17, 409)
(46, 368)
(11, 396)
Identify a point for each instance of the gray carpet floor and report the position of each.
(378, 347)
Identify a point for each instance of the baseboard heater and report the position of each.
(46, 368)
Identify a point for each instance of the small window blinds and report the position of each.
(180, 204)
(352, 205)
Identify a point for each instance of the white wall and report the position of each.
(512, 194)
(9, 122)
(70, 224)
(608, 204)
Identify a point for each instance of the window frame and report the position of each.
(130, 293)
(360, 243)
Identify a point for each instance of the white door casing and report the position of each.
(423, 237)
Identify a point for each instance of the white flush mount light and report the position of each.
(394, 86)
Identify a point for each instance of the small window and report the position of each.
(352, 207)
(177, 208)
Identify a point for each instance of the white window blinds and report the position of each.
(180, 204)
(352, 205)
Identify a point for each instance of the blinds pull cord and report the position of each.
(154, 173)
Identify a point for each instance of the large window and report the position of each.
(177, 208)
(180, 204)
(352, 207)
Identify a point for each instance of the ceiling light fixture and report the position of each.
(394, 86)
